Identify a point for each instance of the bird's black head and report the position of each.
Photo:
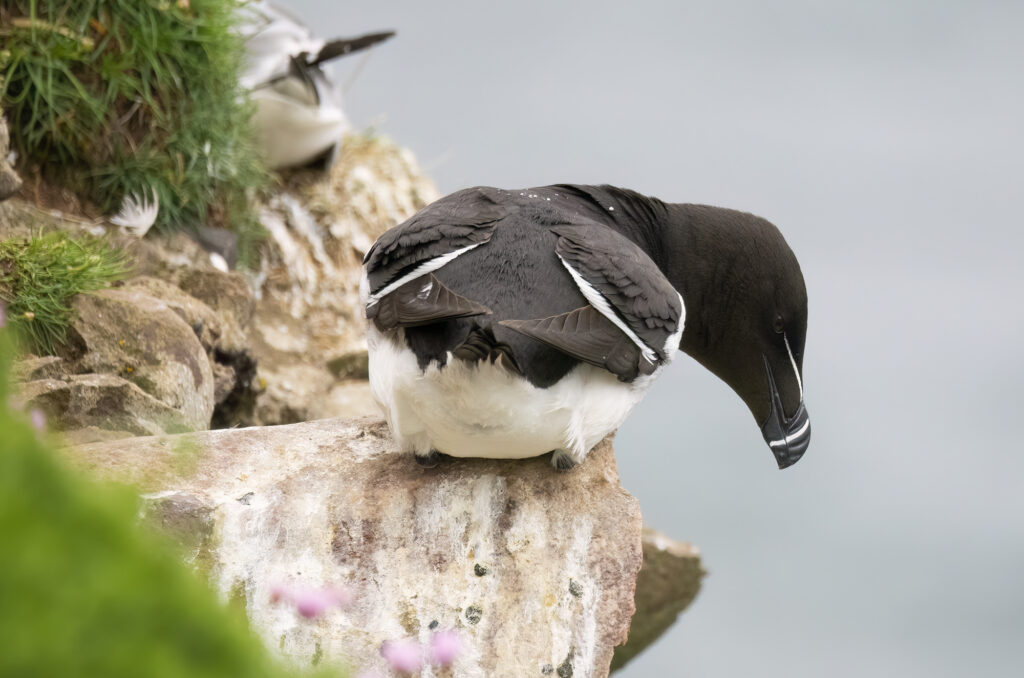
(746, 317)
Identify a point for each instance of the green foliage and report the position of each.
(40, 275)
(134, 97)
(86, 592)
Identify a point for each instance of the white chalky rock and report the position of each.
(535, 569)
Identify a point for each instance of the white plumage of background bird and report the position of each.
(299, 116)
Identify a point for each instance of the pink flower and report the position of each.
(369, 674)
(38, 419)
(445, 646)
(311, 603)
(402, 655)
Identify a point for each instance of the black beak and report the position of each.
(787, 438)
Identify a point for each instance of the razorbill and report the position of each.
(299, 117)
(508, 324)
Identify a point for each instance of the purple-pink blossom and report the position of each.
(311, 602)
(402, 655)
(445, 646)
(38, 419)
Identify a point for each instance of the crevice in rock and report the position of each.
(238, 406)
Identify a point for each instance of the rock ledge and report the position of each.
(536, 569)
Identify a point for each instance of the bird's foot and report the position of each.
(429, 460)
(562, 461)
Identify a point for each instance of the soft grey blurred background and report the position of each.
(885, 139)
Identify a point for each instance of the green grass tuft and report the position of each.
(39, 277)
(118, 97)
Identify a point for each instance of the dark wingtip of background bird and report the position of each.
(343, 46)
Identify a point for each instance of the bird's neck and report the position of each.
(688, 246)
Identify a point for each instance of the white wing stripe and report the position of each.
(672, 343)
(598, 301)
(427, 266)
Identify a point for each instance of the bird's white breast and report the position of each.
(483, 410)
(292, 129)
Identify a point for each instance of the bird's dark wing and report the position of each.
(626, 277)
(303, 74)
(452, 223)
(342, 46)
(625, 289)
(587, 335)
(400, 294)
(421, 301)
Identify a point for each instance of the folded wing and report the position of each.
(399, 294)
(635, 317)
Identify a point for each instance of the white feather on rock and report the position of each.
(137, 214)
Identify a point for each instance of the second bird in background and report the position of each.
(299, 117)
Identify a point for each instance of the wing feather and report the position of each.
(421, 301)
(629, 280)
(587, 335)
(452, 223)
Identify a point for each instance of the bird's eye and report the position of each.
(778, 324)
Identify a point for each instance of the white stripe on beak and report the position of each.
(799, 382)
(792, 436)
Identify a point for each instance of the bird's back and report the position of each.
(519, 257)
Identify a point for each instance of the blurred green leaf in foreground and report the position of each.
(84, 591)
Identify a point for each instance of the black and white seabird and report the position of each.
(508, 324)
(299, 116)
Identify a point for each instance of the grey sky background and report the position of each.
(885, 139)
